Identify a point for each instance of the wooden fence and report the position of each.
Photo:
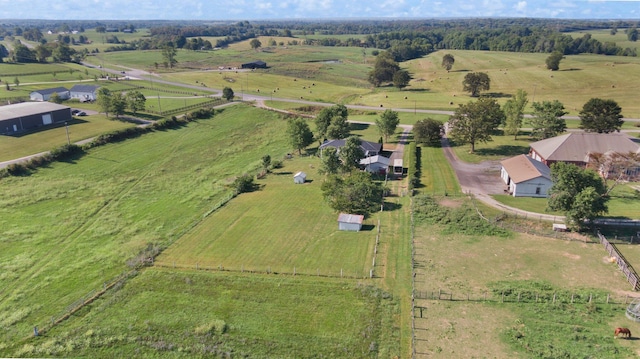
(623, 264)
(524, 296)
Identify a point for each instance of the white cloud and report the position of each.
(521, 6)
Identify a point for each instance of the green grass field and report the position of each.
(620, 38)
(79, 129)
(437, 176)
(115, 200)
(189, 314)
(277, 235)
(470, 265)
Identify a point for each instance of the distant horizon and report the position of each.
(315, 10)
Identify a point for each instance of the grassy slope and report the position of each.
(114, 201)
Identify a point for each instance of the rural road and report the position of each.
(481, 180)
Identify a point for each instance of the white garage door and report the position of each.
(46, 119)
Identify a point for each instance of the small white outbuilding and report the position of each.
(350, 222)
(299, 178)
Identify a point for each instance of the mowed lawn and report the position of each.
(48, 138)
(281, 227)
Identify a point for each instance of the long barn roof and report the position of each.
(23, 109)
(575, 146)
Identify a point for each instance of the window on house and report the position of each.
(537, 190)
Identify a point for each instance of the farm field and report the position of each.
(12, 147)
(277, 236)
(116, 200)
(196, 314)
(462, 328)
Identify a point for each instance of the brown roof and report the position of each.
(575, 146)
(523, 168)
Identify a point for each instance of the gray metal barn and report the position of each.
(350, 222)
(27, 116)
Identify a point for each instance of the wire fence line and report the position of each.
(83, 301)
(525, 296)
(623, 264)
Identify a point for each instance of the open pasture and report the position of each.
(283, 227)
(472, 265)
(189, 314)
(71, 227)
(436, 175)
(580, 78)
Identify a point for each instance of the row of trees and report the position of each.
(58, 52)
(476, 121)
(117, 102)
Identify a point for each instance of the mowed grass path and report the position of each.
(279, 227)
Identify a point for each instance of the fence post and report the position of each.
(196, 265)
(294, 271)
(607, 298)
(340, 272)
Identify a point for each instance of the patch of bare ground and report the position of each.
(451, 203)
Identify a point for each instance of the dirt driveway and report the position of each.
(480, 178)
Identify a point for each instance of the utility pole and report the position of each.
(66, 127)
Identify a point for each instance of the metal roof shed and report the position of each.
(350, 222)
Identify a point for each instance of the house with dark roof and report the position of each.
(25, 116)
(576, 147)
(526, 177)
(369, 148)
(45, 94)
(255, 65)
(84, 93)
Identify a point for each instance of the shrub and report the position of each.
(244, 184)
(215, 327)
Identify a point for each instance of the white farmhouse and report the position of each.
(526, 177)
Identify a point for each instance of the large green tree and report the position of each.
(327, 115)
(169, 53)
(383, 69)
(579, 193)
(227, 93)
(602, 116)
(553, 61)
(475, 121)
(514, 112)
(401, 79)
(22, 54)
(475, 82)
(428, 132)
(356, 193)
(546, 120)
(330, 161)
(42, 52)
(62, 53)
(255, 44)
(118, 103)
(104, 97)
(447, 61)
(136, 101)
(351, 153)
(387, 123)
(299, 134)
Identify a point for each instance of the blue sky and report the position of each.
(313, 9)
